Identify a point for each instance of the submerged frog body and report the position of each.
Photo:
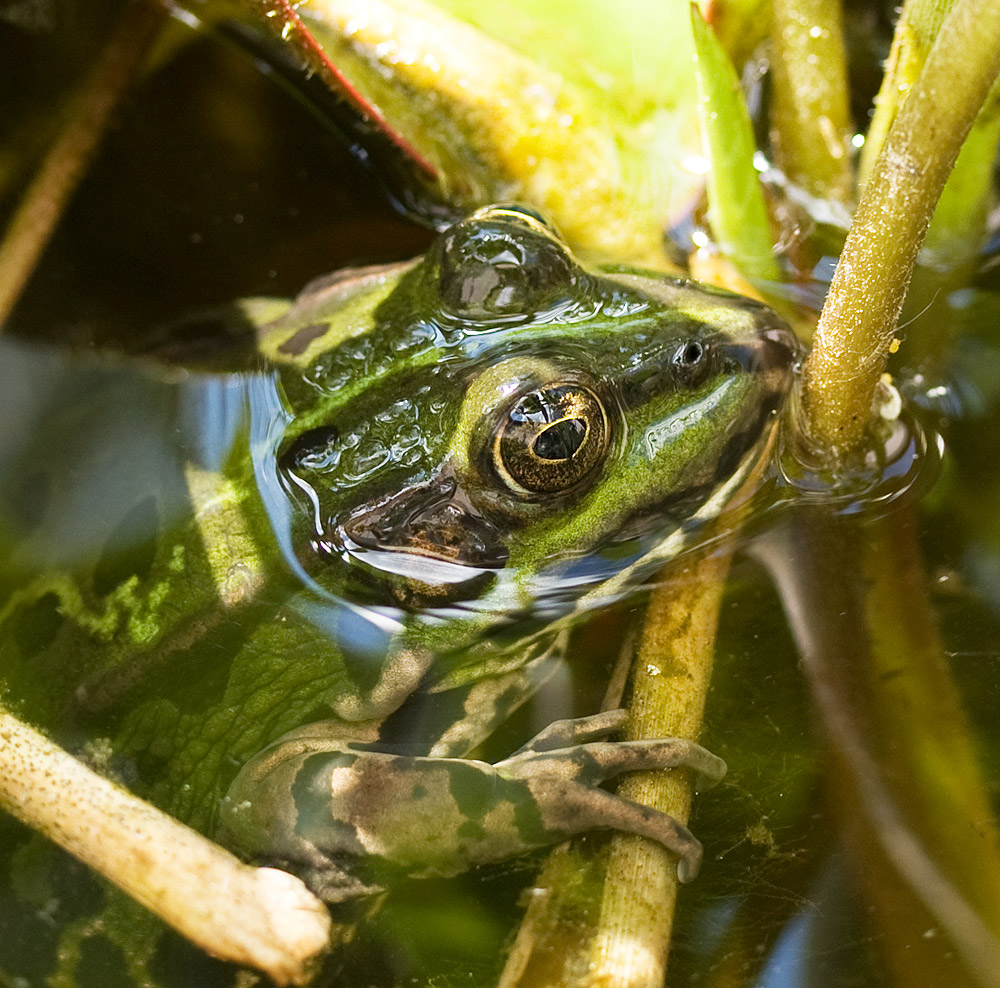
(519, 415)
(442, 464)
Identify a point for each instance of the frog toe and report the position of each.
(582, 808)
(594, 762)
(563, 733)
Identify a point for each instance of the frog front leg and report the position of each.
(345, 814)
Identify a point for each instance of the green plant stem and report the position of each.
(858, 321)
(917, 27)
(959, 221)
(605, 918)
(670, 686)
(66, 162)
(810, 121)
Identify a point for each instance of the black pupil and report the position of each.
(561, 440)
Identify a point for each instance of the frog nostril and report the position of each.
(692, 363)
(690, 354)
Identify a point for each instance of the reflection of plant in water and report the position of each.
(602, 158)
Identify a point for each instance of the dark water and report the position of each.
(791, 893)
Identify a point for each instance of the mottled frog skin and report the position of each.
(289, 622)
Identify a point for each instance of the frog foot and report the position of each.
(562, 768)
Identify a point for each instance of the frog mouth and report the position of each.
(430, 531)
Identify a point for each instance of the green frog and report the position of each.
(291, 623)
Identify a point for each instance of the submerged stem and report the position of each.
(909, 791)
(66, 162)
(670, 686)
(605, 919)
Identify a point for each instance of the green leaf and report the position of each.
(736, 210)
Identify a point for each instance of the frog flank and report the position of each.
(290, 609)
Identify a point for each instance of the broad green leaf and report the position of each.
(584, 111)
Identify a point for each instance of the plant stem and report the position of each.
(917, 27)
(66, 162)
(670, 686)
(605, 918)
(254, 916)
(810, 120)
(858, 321)
(907, 786)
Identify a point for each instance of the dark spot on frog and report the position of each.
(130, 548)
(528, 816)
(310, 793)
(189, 667)
(313, 450)
(473, 791)
(298, 342)
(101, 964)
(470, 830)
(505, 703)
(177, 962)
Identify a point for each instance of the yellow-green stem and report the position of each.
(917, 27)
(670, 686)
(905, 782)
(857, 325)
(810, 119)
(605, 920)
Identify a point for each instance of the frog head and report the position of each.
(499, 415)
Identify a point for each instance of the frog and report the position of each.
(421, 477)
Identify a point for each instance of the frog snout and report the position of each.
(769, 352)
(778, 348)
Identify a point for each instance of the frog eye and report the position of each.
(503, 266)
(551, 439)
(516, 211)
